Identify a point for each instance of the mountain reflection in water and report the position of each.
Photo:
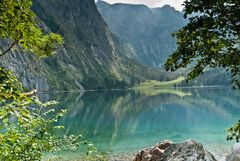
(121, 121)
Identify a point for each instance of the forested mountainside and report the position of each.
(92, 57)
(145, 31)
(145, 34)
(88, 59)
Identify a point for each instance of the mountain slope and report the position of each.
(147, 32)
(90, 49)
(88, 59)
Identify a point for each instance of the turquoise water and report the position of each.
(127, 121)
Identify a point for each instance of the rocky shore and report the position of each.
(169, 151)
(189, 150)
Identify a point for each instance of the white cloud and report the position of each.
(177, 4)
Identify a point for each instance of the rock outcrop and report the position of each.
(145, 31)
(190, 150)
(87, 60)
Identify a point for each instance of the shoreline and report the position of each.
(132, 89)
(219, 151)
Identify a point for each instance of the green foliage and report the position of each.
(9, 86)
(210, 39)
(26, 124)
(94, 155)
(20, 25)
(234, 132)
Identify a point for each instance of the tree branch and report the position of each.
(10, 47)
(31, 93)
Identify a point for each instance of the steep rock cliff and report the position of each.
(146, 31)
(88, 59)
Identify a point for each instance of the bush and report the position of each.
(26, 124)
(234, 132)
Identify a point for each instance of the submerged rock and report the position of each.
(190, 150)
(235, 155)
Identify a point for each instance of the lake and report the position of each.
(125, 121)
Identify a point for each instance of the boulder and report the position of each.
(235, 155)
(164, 144)
(190, 150)
(153, 154)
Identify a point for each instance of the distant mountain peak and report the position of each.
(101, 3)
(132, 5)
(146, 30)
(165, 8)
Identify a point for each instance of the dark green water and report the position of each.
(127, 121)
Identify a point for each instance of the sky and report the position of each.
(177, 4)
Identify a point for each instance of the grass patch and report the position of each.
(154, 92)
(158, 84)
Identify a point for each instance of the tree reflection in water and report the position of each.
(121, 121)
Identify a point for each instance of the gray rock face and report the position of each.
(24, 67)
(88, 59)
(190, 150)
(235, 155)
(146, 31)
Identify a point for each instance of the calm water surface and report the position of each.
(127, 121)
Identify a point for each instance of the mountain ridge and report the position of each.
(147, 30)
(145, 34)
(89, 58)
